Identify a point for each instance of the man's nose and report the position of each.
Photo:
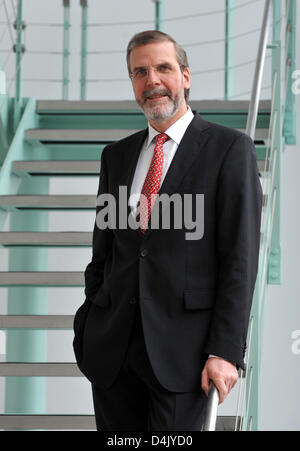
(153, 77)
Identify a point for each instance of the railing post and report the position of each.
(229, 49)
(289, 131)
(84, 33)
(2, 82)
(3, 116)
(258, 74)
(66, 51)
(19, 48)
(250, 407)
(274, 269)
(277, 11)
(158, 15)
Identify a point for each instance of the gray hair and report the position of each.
(151, 36)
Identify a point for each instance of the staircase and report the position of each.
(61, 138)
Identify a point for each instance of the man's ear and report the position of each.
(186, 78)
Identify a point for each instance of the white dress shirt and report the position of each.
(175, 133)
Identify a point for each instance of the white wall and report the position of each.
(183, 22)
(280, 396)
(280, 393)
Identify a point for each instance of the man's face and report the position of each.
(159, 83)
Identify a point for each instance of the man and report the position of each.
(164, 314)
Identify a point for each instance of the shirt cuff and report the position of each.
(217, 357)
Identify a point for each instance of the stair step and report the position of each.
(84, 202)
(36, 321)
(82, 135)
(74, 168)
(77, 422)
(47, 422)
(98, 135)
(48, 201)
(46, 238)
(85, 106)
(59, 167)
(45, 369)
(126, 115)
(227, 423)
(261, 134)
(42, 278)
(75, 106)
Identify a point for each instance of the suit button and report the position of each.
(132, 301)
(144, 252)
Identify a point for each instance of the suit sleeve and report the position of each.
(238, 212)
(102, 241)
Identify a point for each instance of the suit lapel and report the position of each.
(188, 150)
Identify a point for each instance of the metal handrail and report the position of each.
(212, 408)
(250, 130)
(258, 74)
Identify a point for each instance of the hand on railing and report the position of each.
(212, 408)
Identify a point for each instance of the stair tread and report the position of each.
(51, 200)
(73, 166)
(66, 421)
(39, 369)
(98, 135)
(46, 421)
(42, 278)
(51, 238)
(36, 321)
(66, 166)
(57, 201)
(94, 105)
(87, 135)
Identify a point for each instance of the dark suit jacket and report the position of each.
(194, 295)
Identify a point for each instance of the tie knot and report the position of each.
(161, 138)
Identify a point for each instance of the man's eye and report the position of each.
(140, 72)
(164, 68)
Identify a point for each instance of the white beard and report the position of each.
(165, 109)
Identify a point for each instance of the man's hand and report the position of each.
(223, 374)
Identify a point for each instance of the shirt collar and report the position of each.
(176, 131)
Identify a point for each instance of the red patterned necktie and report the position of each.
(152, 183)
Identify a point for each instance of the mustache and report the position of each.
(155, 92)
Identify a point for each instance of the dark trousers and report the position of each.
(137, 402)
